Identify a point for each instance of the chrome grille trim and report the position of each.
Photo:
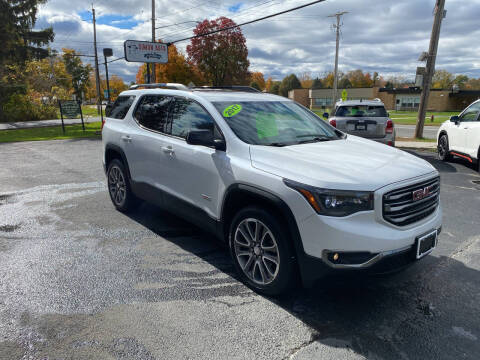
(400, 209)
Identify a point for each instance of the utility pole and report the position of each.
(153, 76)
(439, 13)
(335, 79)
(97, 74)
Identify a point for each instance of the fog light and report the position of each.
(335, 256)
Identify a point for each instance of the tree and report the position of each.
(328, 80)
(269, 84)
(255, 85)
(258, 78)
(473, 84)
(290, 82)
(317, 83)
(344, 83)
(442, 79)
(221, 57)
(461, 81)
(20, 43)
(178, 69)
(306, 80)
(275, 89)
(359, 79)
(80, 73)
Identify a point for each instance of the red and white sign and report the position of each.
(146, 52)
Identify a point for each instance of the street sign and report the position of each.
(145, 51)
(70, 109)
(344, 95)
(105, 94)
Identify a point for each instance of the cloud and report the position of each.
(385, 36)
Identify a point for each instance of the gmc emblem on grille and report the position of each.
(421, 193)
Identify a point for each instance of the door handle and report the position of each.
(168, 150)
(126, 138)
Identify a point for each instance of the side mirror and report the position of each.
(325, 115)
(455, 119)
(388, 114)
(220, 144)
(108, 109)
(200, 137)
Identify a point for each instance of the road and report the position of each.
(408, 131)
(80, 280)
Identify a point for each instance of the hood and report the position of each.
(348, 164)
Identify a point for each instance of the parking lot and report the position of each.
(79, 280)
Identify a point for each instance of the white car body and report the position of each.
(463, 133)
(201, 177)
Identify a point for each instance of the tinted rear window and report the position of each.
(361, 111)
(120, 107)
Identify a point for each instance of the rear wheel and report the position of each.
(260, 251)
(119, 187)
(443, 149)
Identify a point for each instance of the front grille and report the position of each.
(400, 208)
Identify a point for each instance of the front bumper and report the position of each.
(374, 243)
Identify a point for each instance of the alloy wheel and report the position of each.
(442, 146)
(116, 185)
(257, 251)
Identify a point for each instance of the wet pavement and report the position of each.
(79, 280)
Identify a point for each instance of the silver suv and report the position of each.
(287, 192)
(367, 119)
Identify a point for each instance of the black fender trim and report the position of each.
(311, 268)
(120, 151)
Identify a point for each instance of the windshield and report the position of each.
(361, 111)
(276, 123)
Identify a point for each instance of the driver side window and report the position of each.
(471, 113)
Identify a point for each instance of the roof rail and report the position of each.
(227, 88)
(159, 85)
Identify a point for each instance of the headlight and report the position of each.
(334, 202)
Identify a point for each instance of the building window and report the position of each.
(322, 101)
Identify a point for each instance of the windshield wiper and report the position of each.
(315, 138)
(277, 144)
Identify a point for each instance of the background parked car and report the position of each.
(460, 136)
(364, 118)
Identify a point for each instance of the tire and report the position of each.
(119, 187)
(264, 259)
(443, 149)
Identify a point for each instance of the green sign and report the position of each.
(344, 95)
(105, 94)
(70, 109)
(232, 110)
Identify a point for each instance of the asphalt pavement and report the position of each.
(79, 280)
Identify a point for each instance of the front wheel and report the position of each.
(261, 252)
(443, 149)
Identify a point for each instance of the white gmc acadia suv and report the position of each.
(289, 193)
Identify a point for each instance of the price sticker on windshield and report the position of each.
(266, 125)
(232, 110)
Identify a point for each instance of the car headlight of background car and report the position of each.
(334, 202)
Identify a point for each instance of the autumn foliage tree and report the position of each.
(257, 78)
(177, 70)
(221, 57)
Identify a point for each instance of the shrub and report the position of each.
(20, 107)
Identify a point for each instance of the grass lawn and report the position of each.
(410, 117)
(415, 139)
(51, 133)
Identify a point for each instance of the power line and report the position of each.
(247, 22)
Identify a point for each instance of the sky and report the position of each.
(386, 36)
